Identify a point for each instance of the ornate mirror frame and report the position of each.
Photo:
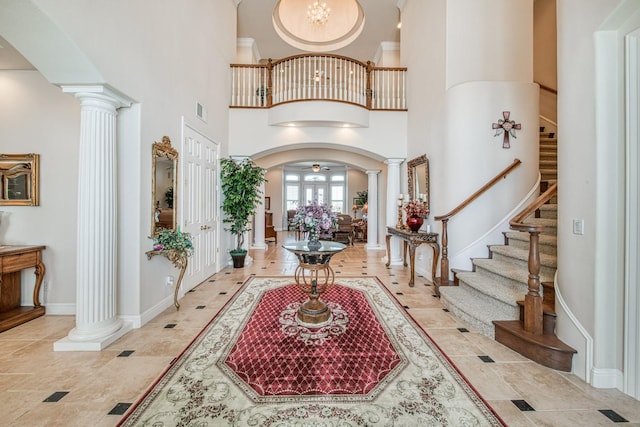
(164, 179)
(19, 179)
(418, 177)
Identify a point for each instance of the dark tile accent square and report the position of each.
(522, 405)
(170, 326)
(238, 283)
(227, 272)
(391, 275)
(613, 415)
(338, 271)
(446, 310)
(420, 275)
(252, 274)
(486, 359)
(125, 353)
(364, 274)
(435, 296)
(212, 280)
(364, 266)
(398, 293)
(340, 265)
(200, 307)
(222, 293)
(192, 290)
(264, 268)
(406, 306)
(394, 283)
(463, 329)
(427, 284)
(56, 396)
(119, 409)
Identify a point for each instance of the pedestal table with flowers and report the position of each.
(176, 247)
(413, 237)
(314, 276)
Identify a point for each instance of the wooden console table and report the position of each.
(179, 260)
(413, 240)
(14, 259)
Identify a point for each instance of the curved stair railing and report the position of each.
(533, 307)
(444, 260)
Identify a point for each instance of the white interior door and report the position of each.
(199, 159)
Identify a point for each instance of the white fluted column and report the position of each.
(393, 190)
(97, 325)
(372, 213)
(258, 224)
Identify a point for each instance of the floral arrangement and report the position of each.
(315, 218)
(172, 240)
(416, 208)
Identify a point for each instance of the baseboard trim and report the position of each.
(606, 378)
(60, 309)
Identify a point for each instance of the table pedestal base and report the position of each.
(314, 311)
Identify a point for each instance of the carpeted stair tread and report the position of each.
(508, 270)
(523, 255)
(478, 313)
(489, 287)
(548, 242)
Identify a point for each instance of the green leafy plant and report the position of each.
(173, 240)
(241, 188)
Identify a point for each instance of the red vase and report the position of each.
(415, 222)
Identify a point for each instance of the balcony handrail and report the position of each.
(444, 260)
(317, 76)
(533, 307)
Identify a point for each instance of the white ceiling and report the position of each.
(381, 20)
(254, 21)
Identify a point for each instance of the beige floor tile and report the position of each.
(30, 370)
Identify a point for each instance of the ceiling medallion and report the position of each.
(294, 24)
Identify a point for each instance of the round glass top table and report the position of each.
(314, 276)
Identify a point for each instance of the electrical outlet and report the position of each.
(170, 281)
(578, 226)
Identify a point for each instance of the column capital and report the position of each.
(394, 161)
(372, 172)
(101, 92)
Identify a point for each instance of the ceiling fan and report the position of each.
(317, 168)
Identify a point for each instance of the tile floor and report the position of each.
(39, 387)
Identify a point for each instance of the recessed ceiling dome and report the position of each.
(343, 26)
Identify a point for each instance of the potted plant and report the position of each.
(173, 240)
(241, 188)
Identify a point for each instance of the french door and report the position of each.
(315, 192)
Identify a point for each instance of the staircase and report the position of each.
(489, 297)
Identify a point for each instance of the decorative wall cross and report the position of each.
(506, 127)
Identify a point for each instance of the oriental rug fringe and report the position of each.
(254, 364)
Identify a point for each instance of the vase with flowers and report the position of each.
(417, 211)
(315, 218)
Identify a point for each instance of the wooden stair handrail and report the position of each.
(533, 302)
(444, 260)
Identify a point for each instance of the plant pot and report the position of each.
(414, 223)
(238, 259)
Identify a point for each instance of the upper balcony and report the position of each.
(318, 77)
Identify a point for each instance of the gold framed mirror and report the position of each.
(19, 178)
(418, 177)
(164, 164)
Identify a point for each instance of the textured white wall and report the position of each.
(38, 118)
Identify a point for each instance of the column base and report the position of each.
(374, 246)
(97, 344)
(260, 246)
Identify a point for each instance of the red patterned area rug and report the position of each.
(255, 364)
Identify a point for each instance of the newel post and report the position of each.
(368, 84)
(269, 83)
(444, 260)
(533, 300)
